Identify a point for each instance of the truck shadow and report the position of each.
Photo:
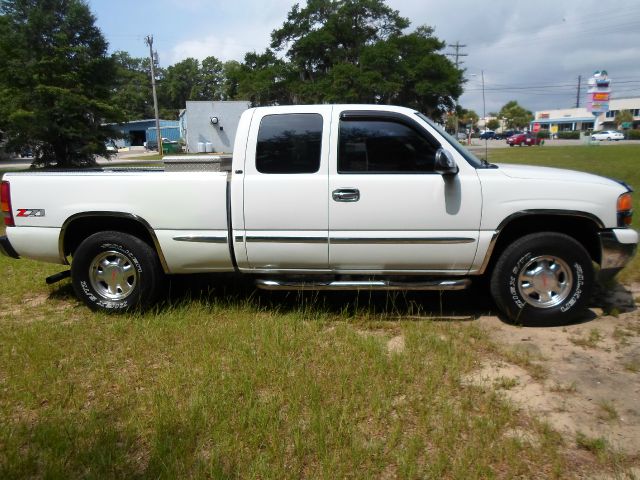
(466, 305)
(455, 306)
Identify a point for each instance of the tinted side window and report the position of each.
(383, 146)
(289, 143)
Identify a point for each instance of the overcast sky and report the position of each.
(532, 52)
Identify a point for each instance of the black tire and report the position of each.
(540, 262)
(115, 271)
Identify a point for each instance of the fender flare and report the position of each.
(121, 215)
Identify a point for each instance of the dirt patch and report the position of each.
(396, 344)
(583, 379)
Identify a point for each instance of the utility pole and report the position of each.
(578, 95)
(457, 47)
(149, 41)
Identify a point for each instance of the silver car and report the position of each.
(608, 135)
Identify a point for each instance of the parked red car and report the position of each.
(524, 139)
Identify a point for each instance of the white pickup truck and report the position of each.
(330, 197)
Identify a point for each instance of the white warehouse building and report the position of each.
(211, 126)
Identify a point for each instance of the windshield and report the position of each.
(468, 156)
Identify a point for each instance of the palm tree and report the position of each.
(623, 116)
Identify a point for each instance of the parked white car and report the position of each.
(608, 135)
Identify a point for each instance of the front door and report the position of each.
(389, 212)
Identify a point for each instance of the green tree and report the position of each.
(181, 82)
(210, 82)
(356, 51)
(233, 74)
(56, 81)
(493, 124)
(514, 115)
(132, 94)
(623, 116)
(328, 32)
(468, 117)
(264, 79)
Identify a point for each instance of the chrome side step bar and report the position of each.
(443, 284)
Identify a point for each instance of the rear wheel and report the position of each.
(116, 271)
(542, 279)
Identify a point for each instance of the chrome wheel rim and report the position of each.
(113, 275)
(545, 281)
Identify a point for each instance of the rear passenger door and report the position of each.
(285, 189)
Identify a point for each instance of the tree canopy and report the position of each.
(623, 116)
(56, 81)
(356, 51)
(514, 115)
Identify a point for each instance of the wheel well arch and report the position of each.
(583, 228)
(80, 226)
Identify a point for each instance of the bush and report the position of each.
(573, 135)
(542, 134)
(633, 134)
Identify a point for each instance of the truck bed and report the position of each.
(186, 210)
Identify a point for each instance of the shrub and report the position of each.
(633, 134)
(542, 134)
(573, 135)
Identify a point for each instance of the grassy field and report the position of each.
(225, 382)
(230, 384)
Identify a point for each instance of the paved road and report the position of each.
(480, 144)
(123, 158)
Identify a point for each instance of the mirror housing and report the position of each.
(445, 163)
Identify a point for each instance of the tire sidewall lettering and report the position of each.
(513, 280)
(125, 251)
(578, 273)
(567, 305)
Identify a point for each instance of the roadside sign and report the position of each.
(536, 127)
(553, 129)
(599, 92)
(626, 124)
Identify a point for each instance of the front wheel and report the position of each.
(542, 279)
(115, 271)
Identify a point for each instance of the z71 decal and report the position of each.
(30, 212)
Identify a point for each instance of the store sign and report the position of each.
(599, 92)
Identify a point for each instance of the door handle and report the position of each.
(346, 195)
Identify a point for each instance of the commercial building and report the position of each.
(580, 119)
(138, 133)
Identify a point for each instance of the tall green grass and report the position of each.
(226, 383)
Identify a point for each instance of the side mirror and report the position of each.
(445, 164)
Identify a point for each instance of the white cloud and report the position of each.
(212, 45)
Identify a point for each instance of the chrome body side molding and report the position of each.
(201, 239)
(401, 241)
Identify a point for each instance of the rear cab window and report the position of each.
(289, 143)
